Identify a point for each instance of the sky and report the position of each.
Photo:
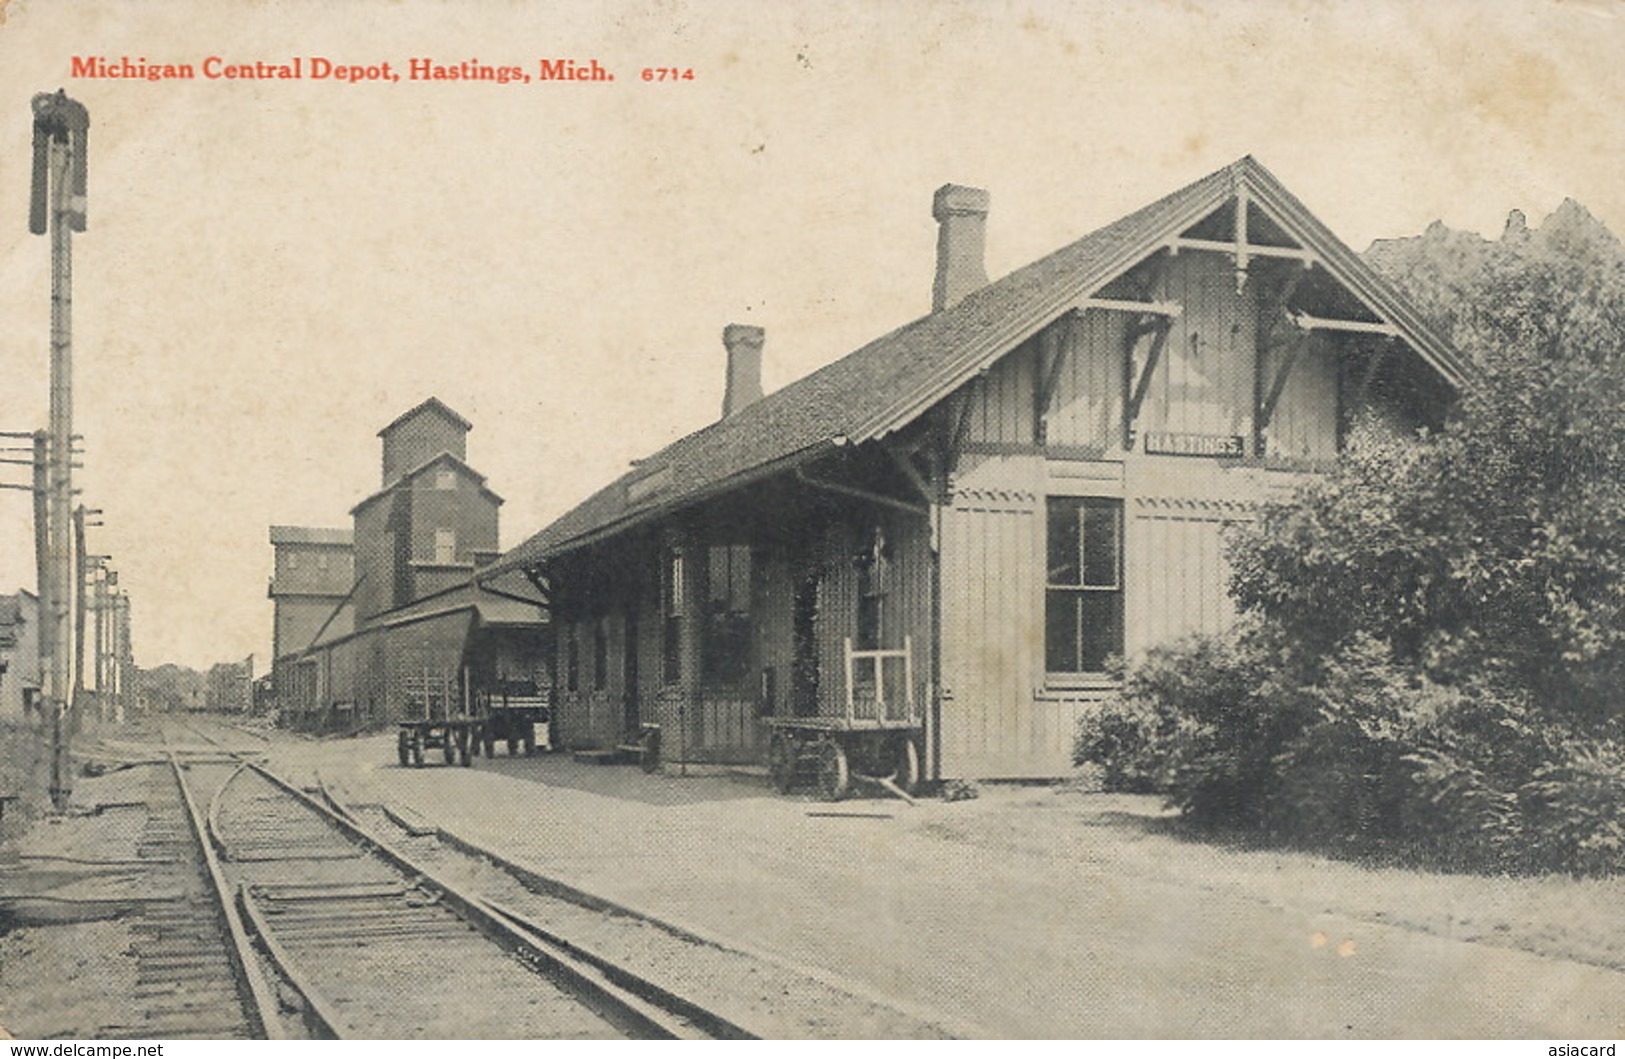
(275, 269)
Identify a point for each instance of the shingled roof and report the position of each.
(887, 384)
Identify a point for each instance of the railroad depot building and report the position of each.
(963, 520)
(384, 620)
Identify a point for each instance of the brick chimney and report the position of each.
(744, 343)
(961, 215)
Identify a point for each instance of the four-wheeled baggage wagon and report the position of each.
(875, 740)
(515, 713)
(455, 737)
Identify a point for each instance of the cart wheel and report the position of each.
(908, 766)
(833, 777)
(403, 747)
(781, 762)
(649, 750)
(417, 749)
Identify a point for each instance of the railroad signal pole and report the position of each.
(57, 205)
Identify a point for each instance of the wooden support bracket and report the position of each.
(1360, 327)
(1126, 305)
(1249, 250)
(905, 463)
(1153, 355)
(959, 424)
(1266, 412)
(1053, 347)
(1276, 314)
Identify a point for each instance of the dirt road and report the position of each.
(1038, 912)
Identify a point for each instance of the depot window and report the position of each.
(572, 659)
(671, 628)
(600, 654)
(1083, 594)
(725, 644)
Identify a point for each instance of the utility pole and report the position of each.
(78, 610)
(95, 571)
(102, 625)
(57, 205)
(125, 664)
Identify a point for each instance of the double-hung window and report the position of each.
(1083, 593)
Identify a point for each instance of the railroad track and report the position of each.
(377, 944)
(187, 978)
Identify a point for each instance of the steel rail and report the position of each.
(592, 986)
(260, 1002)
(648, 1005)
(319, 1013)
(713, 1024)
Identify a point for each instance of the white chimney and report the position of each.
(744, 343)
(961, 215)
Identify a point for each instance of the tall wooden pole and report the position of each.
(124, 682)
(79, 608)
(99, 609)
(42, 550)
(60, 458)
(60, 135)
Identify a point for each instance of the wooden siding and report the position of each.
(1086, 410)
(992, 627)
(773, 606)
(1304, 423)
(1054, 723)
(1001, 402)
(1203, 383)
(724, 728)
(1175, 571)
(905, 612)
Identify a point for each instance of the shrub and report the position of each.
(1356, 755)
(1434, 657)
(1575, 807)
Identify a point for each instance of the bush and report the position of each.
(1433, 660)
(1357, 755)
(1575, 807)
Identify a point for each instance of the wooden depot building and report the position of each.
(958, 524)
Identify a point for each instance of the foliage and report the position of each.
(1433, 662)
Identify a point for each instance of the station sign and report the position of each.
(1159, 443)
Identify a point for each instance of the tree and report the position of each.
(1496, 547)
(1432, 659)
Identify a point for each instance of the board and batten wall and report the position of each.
(1001, 714)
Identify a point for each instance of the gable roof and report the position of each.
(439, 457)
(885, 385)
(433, 404)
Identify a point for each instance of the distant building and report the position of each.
(390, 618)
(312, 574)
(19, 653)
(229, 687)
